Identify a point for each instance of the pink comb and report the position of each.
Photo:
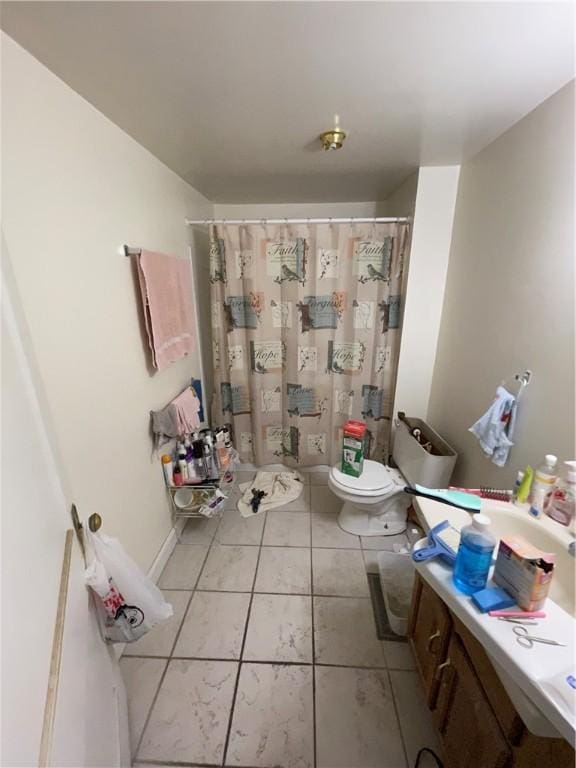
(519, 614)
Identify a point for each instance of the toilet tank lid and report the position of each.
(375, 477)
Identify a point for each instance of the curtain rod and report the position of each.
(333, 220)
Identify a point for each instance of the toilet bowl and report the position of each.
(374, 503)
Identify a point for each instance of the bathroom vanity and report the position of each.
(488, 696)
(478, 723)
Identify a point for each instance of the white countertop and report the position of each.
(530, 669)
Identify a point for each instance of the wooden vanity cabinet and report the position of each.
(429, 631)
(468, 727)
(477, 722)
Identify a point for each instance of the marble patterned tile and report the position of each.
(214, 626)
(384, 543)
(318, 475)
(279, 629)
(141, 678)
(273, 718)
(415, 718)
(287, 529)
(235, 529)
(356, 723)
(160, 640)
(323, 500)
(398, 655)
(345, 633)
(284, 569)
(189, 720)
(327, 533)
(339, 572)
(199, 530)
(229, 568)
(183, 567)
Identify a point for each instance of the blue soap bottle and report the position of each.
(474, 556)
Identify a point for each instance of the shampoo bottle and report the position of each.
(544, 479)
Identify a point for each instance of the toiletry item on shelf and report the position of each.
(525, 486)
(544, 479)
(177, 477)
(182, 463)
(561, 503)
(222, 453)
(183, 466)
(517, 485)
(492, 599)
(214, 504)
(211, 471)
(443, 541)
(198, 461)
(353, 448)
(474, 556)
(168, 467)
(524, 571)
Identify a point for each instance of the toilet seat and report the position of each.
(375, 480)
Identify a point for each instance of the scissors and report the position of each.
(527, 641)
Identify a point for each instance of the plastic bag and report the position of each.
(129, 602)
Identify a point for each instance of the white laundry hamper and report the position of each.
(397, 581)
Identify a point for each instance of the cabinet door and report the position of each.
(429, 632)
(470, 732)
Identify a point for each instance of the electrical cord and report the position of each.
(421, 752)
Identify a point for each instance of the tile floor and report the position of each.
(271, 659)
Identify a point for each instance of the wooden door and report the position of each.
(429, 632)
(470, 732)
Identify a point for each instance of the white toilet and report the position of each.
(374, 503)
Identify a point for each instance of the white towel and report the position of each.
(495, 428)
(278, 488)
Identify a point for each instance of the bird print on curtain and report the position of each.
(306, 334)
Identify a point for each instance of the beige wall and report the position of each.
(433, 218)
(510, 293)
(75, 188)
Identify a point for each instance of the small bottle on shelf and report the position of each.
(177, 476)
(168, 467)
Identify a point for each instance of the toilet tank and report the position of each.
(418, 466)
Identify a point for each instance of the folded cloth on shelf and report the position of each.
(269, 490)
(495, 428)
(165, 425)
(166, 290)
(187, 406)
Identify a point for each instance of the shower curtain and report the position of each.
(306, 334)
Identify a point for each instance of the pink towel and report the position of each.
(187, 407)
(166, 288)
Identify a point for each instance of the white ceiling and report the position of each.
(232, 95)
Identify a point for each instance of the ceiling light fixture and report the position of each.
(333, 139)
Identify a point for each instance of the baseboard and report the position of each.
(155, 570)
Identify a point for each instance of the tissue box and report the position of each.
(524, 571)
(354, 433)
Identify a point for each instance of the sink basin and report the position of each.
(508, 519)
